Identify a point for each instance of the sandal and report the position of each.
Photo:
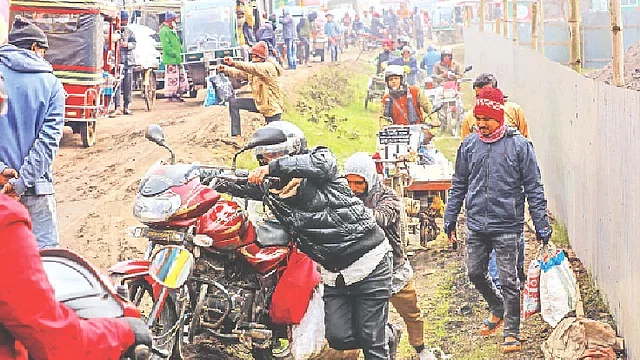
(511, 345)
(489, 328)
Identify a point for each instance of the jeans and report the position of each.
(333, 51)
(493, 268)
(504, 305)
(249, 104)
(44, 219)
(307, 47)
(356, 315)
(124, 89)
(291, 52)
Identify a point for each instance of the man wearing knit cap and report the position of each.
(33, 125)
(496, 168)
(127, 59)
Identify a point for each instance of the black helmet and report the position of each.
(295, 142)
(485, 79)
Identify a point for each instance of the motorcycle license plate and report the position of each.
(158, 235)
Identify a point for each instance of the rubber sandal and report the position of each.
(489, 328)
(511, 346)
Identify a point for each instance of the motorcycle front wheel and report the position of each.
(166, 329)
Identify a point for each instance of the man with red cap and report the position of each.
(385, 55)
(496, 168)
(262, 73)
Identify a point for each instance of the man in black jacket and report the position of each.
(128, 61)
(334, 228)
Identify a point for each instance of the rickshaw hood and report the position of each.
(24, 61)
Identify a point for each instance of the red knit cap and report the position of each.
(490, 103)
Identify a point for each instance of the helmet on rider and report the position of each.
(446, 52)
(403, 41)
(406, 49)
(260, 50)
(394, 71)
(295, 142)
(483, 80)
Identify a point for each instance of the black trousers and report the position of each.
(237, 104)
(124, 89)
(356, 315)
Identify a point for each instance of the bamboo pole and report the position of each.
(541, 16)
(482, 14)
(534, 26)
(515, 22)
(498, 25)
(617, 43)
(505, 19)
(574, 34)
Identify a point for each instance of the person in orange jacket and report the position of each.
(404, 104)
(33, 324)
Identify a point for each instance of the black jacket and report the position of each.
(328, 223)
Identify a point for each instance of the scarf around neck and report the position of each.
(494, 136)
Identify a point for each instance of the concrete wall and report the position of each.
(586, 140)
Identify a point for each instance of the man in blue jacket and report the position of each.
(495, 169)
(429, 59)
(289, 36)
(31, 129)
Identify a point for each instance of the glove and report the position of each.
(449, 228)
(142, 335)
(6, 175)
(544, 235)
(407, 69)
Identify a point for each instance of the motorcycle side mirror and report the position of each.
(155, 134)
(262, 137)
(437, 108)
(171, 266)
(468, 68)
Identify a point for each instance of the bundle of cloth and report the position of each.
(146, 52)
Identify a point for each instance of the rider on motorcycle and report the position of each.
(404, 104)
(409, 63)
(314, 203)
(33, 324)
(384, 56)
(447, 68)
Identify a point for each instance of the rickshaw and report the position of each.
(83, 49)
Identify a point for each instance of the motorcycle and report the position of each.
(236, 264)
(447, 92)
(81, 287)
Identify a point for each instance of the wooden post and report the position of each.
(498, 25)
(534, 26)
(482, 14)
(505, 19)
(515, 22)
(574, 36)
(617, 43)
(541, 16)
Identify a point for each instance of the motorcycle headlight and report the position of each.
(156, 208)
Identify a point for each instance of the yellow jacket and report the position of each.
(265, 85)
(513, 116)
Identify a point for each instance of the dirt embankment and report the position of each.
(631, 70)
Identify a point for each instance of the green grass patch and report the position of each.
(448, 146)
(560, 237)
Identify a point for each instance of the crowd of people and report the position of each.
(348, 222)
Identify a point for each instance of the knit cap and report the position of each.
(490, 103)
(23, 34)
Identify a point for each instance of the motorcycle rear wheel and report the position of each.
(140, 294)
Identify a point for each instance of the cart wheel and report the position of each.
(149, 92)
(193, 93)
(88, 133)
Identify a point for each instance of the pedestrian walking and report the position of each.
(128, 61)
(175, 79)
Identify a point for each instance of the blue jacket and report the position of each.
(428, 60)
(493, 180)
(31, 130)
(412, 64)
(288, 27)
(331, 29)
(265, 33)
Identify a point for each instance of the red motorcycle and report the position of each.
(82, 288)
(236, 265)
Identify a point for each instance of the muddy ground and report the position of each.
(96, 188)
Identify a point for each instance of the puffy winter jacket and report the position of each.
(328, 223)
(171, 46)
(384, 202)
(493, 179)
(265, 85)
(288, 27)
(127, 56)
(30, 317)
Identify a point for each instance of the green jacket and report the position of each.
(171, 46)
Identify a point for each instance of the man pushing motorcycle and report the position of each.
(404, 104)
(447, 68)
(314, 204)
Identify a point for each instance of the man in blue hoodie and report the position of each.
(429, 59)
(31, 128)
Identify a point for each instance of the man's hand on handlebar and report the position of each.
(258, 174)
(228, 61)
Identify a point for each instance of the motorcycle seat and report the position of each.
(271, 233)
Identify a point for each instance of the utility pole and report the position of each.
(542, 26)
(505, 19)
(574, 33)
(515, 22)
(482, 14)
(534, 26)
(617, 43)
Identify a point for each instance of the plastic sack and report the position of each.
(558, 287)
(211, 98)
(531, 293)
(308, 337)
(294, 289)
(224, 88)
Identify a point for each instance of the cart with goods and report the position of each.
(84, 52)
(375, 89)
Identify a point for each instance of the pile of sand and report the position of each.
(631, 69)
